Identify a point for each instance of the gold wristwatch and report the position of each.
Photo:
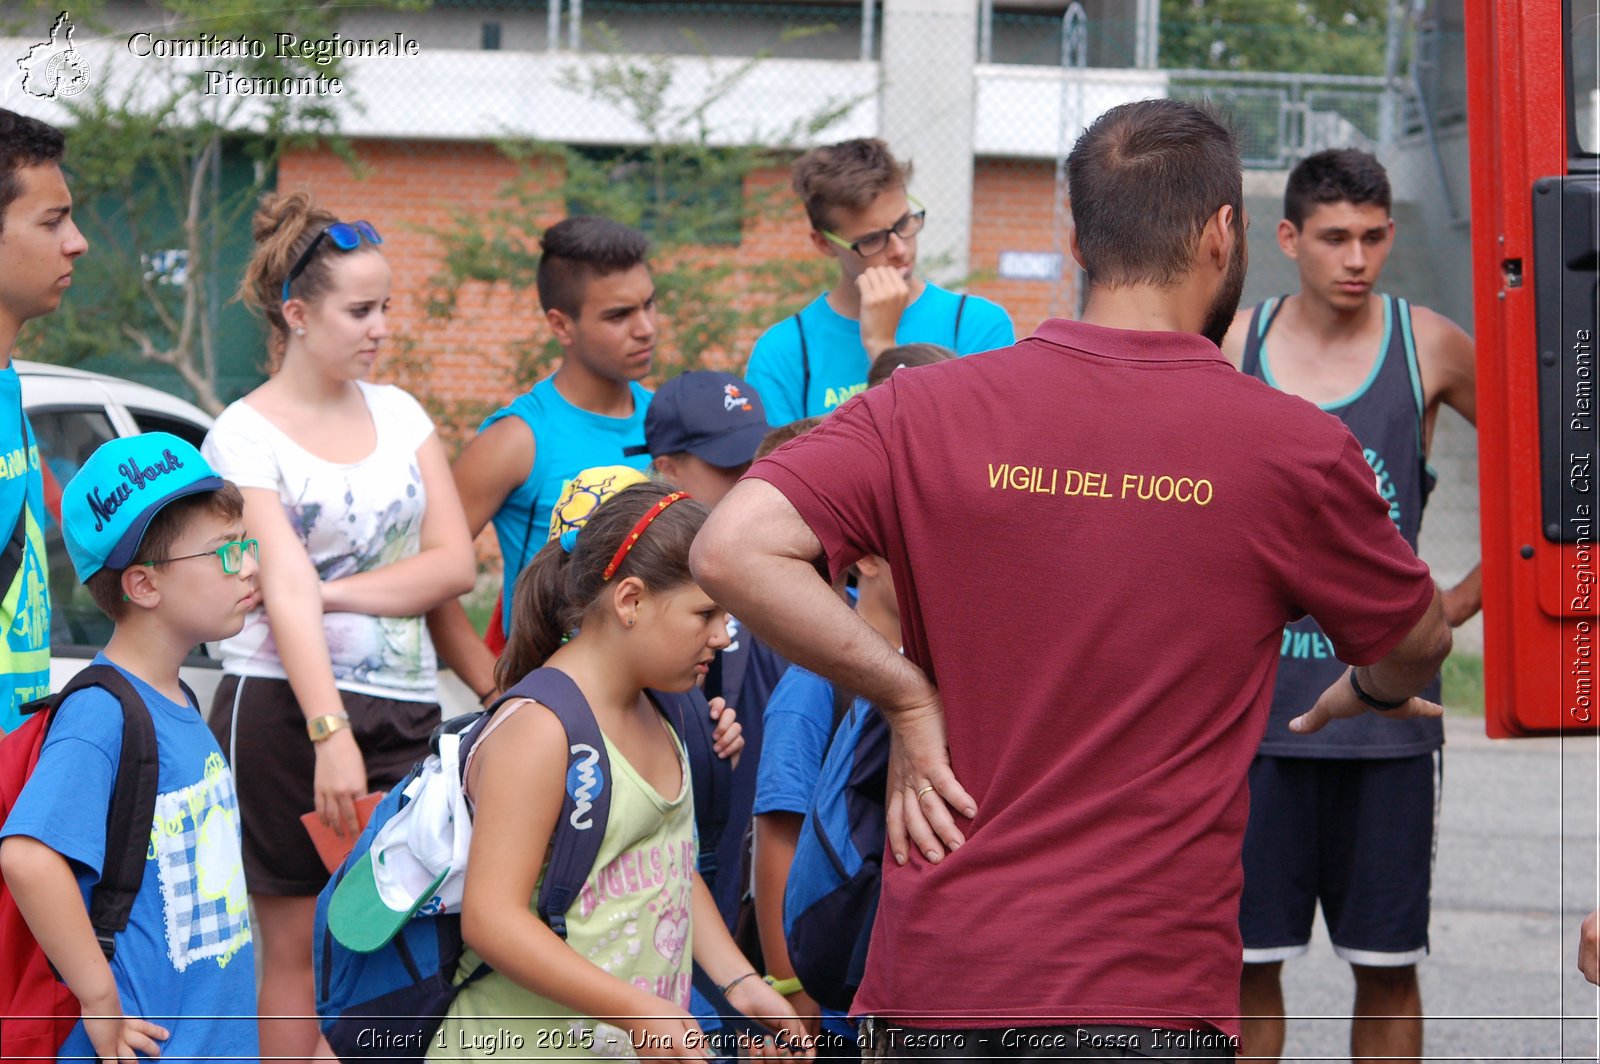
(319, 728)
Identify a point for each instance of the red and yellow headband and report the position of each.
(638, 530)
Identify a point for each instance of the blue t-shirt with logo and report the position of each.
(25, 602)
(838, 363)
(185, 961)
(566, 440)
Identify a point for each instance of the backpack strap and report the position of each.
(16, 545)
(710, 776)
(842, 701)
(586, 806)
(133, 802)
(805, 364)
(955, 334)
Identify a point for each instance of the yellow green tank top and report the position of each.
(631, 920)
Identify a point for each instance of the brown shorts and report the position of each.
(273, 763)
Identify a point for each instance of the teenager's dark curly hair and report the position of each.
(24, 142)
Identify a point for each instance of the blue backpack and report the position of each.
(831, 897)
(389, 1003)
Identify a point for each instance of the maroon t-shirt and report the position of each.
(1097, 537)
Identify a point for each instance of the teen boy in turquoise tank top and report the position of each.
(862, 216)
(600, 303)
(1383, 367)
(38, 246)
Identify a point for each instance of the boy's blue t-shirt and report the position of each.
(25, 604)
(798, 727)
(839, 363)
(566, 440)
(185, 961)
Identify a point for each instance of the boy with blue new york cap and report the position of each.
(158, 539)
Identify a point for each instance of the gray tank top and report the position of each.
(1385, 415)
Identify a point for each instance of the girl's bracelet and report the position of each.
(723, 990)
(786, 987)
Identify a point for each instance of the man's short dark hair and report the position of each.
(580, 248)
(1338, 175)
(1143, 180)
(848, 175)
(24, 142)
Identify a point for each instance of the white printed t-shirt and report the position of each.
(352, 518)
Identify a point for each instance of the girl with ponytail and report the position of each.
(330, 690)
(611, 605)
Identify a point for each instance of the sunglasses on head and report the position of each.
(346, 236)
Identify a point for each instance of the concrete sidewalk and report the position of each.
(1515, 875)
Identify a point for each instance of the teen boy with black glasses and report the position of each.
(863, 217)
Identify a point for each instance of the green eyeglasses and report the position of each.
(232, 555)
(869, 245)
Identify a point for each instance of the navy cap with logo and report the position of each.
(107, 505)
(714, 416)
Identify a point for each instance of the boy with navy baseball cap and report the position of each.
(158, 538)
(702, 430)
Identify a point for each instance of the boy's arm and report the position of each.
(49, 900)
(991, 328)
(776, 837)
(774, 372)
(1449, 368)
(488, 470)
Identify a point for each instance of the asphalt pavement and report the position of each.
(1514, 877)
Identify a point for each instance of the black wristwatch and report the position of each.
(1376, 703)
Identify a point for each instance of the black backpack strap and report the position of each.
(805, 364)
(586, 807)
(955, 334)
(710, 776)
(133, 803)
(16, 545)
(842, 701)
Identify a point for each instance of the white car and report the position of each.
(73, 412)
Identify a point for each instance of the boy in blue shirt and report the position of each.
(159, 540)
(702, 432)
(862, 216)
(599, 302)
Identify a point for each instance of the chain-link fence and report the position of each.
(465, 128)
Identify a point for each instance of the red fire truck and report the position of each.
(1532, 96)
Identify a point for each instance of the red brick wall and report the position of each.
(464, 366)
(1013, 203)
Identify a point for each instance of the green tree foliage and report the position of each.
(1298, 36)
(166, 178)
(692, 196)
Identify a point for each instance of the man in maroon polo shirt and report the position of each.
(1097, 536)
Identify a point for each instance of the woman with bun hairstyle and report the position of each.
(331, 689)
(613, 607)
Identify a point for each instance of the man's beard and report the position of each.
(1219, 316)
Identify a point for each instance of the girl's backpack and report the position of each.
(387, 999)
(37, 1011)
(831, 898)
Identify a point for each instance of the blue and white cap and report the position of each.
(108, 504)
